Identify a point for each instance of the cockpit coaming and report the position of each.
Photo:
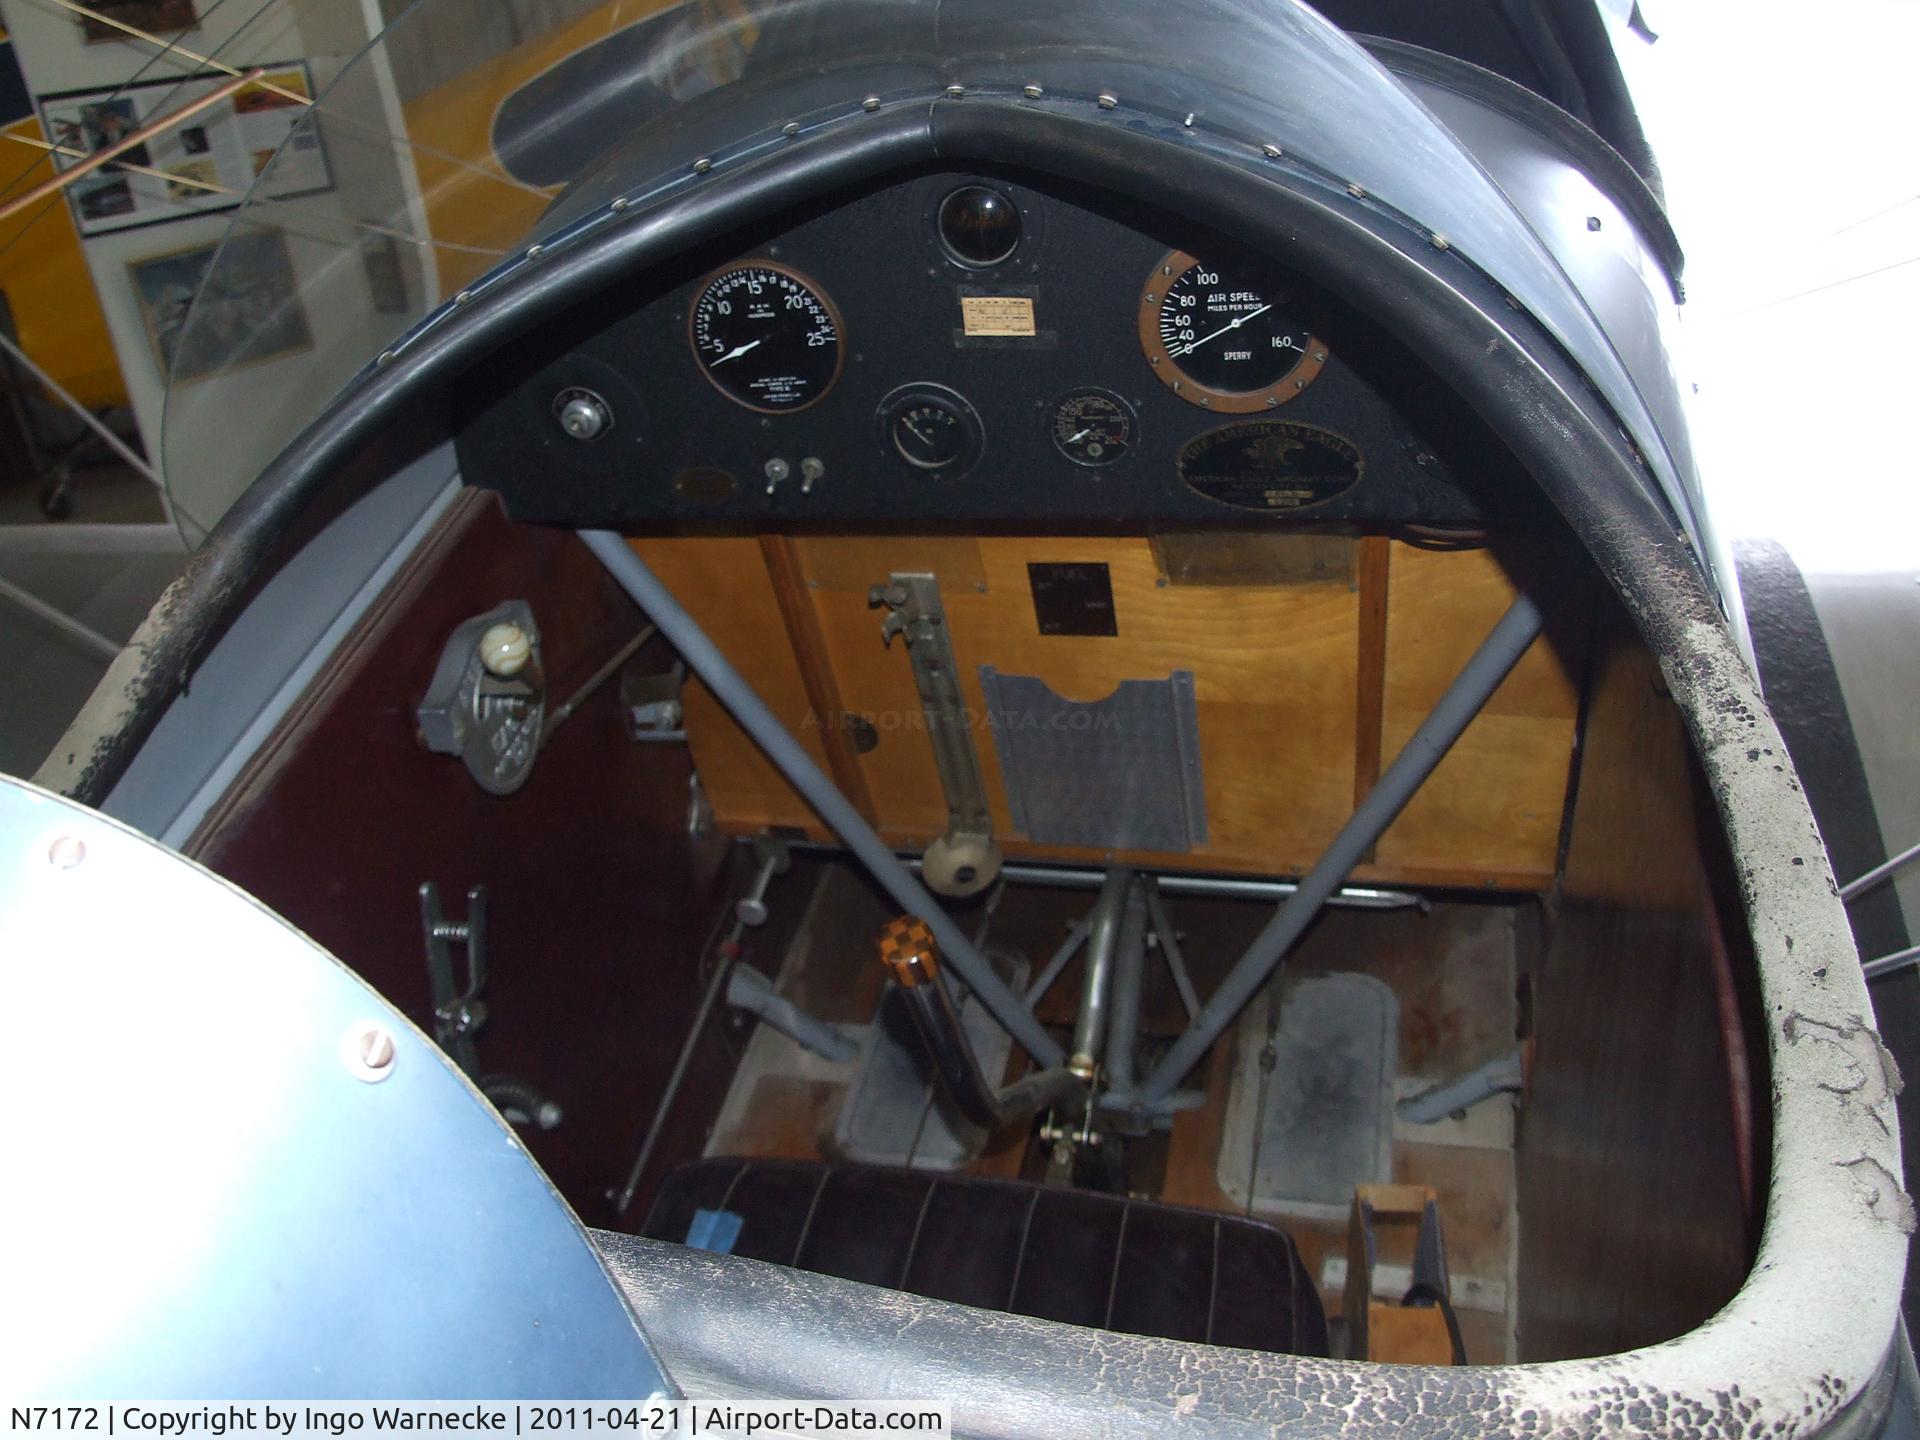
(1042, 700)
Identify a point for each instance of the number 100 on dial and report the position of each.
(1226, 337)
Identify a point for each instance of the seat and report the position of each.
(1135, 1266)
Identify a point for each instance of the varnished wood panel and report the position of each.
(1290, 679)
(1375, 558)
(724, 583)
(816, 672)
(1633, 1224)
(1496, 800)
(1274, 676)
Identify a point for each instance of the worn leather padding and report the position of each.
(1132, 1266)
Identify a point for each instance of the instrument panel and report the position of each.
(969, 348)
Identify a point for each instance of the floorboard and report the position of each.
(1452, 968)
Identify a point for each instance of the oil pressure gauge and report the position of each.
(1093, 427)
(933, 429)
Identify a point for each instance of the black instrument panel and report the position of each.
(964, 348)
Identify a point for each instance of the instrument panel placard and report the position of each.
(1272, 466)
(997, 315)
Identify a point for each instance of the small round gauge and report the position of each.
(1226, 337)
(979, 226)
(1092, 426)
(766, 336)
(933, 429)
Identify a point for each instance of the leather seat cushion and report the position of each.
(1135, 1266)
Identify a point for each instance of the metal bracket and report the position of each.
(652, 704)
(457, 1014)
(487, 701)
(965, 860)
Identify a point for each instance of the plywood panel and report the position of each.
(1289, 680)
(1635, 1136)
(1495, 802)
(724, 584)
(1274, 673)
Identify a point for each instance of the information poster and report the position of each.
(207, 164)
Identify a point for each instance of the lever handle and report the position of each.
(908, 950)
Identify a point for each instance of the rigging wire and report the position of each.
(168, 47)
(1829, 285)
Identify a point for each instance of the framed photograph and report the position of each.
(250, 313)
(156, 17)
(210, 164)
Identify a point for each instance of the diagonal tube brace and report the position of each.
(683, 632)
(1451, 714)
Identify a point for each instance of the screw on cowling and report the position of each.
(369, 1051)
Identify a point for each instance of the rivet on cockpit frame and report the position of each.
(871, 103)
(956, 92)
(1032, 92)
(790, 129)
(702, 165)
(1107, 102)
(1272, 152)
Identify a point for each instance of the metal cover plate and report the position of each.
(895, 1111)
(1299, 1137)
(216, 1204)
(1121, 773)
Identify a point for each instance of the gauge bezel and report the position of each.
(931, 191)
(1127, 408)
(942, 397)
(978, 267)
(1171, 267)
(813, 287)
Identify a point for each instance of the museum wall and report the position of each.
(148, 240)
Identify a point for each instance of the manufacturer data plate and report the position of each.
(1271, 465)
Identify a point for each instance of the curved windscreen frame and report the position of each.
(448, 133)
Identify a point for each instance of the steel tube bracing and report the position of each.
(1129, 979)
(1076, 936)
(1170, 948)
(1103, 933)
(1455, 710)
(683, 632)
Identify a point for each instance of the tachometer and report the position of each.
(766, 336)
(1226, 337)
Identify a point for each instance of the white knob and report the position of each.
(505, 649)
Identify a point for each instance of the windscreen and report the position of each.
(416, 198)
